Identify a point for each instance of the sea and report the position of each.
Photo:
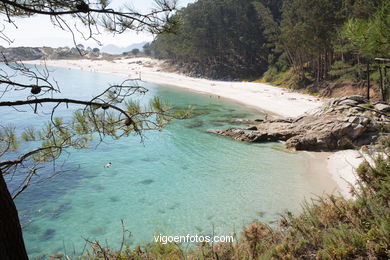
(177, 181)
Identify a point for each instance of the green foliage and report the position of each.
(87, 124)
(135, 51)
(370, 37)
(319, 40)
(147, 49)
(158, 105)
(345, 72)
(185, 113)
(8, 139)
(29, 134)
(132, 107)
(221, 38)
(287, 79)
(271, 75)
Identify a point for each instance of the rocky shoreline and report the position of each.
(339, 124)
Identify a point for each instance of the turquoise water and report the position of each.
(178, 181)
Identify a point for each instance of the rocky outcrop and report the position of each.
(339, 124)
(36, 53)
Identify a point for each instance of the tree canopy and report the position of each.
(317, 40)
(218, 38)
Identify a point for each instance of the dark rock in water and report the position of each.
(98, 231)
(235, 116)
(88, 203)
(114, 199)
(199, 113)
(31, 227)
(199, 229)
(49, 234)
(146, 182)
(174, 206)
(216, 124)
(60, 210)
(339, 124)
(150, 159)
(98, 187)
(260, 214)
(195, 124)
(234, 121)
(142, 200)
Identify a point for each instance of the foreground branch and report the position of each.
(61, 100)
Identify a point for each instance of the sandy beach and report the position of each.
(273, 100)
(342, 165)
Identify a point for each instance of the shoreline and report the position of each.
(263, 97)
(340, 166)
(272, 100)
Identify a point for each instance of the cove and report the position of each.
(177, 181)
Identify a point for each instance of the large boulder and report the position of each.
(385, 108)
(339, 124)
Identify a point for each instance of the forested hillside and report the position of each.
(300, 42)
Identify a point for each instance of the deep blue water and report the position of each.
(178, 181)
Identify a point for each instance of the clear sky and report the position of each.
(38, 31)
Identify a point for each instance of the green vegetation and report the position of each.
(295, 43)
(328, 228)
(219, 38)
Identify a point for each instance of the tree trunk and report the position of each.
(11, 238)
(318, 68)
(368, 81)
(386, 84)
(381, 83)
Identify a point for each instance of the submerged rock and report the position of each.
(235, 121)
(146, 182)
(55, 213)
(195, 124)
(114, 199)
(48, 234)
(339, 124)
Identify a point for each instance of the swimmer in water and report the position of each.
(108, 165)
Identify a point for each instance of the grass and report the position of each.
(287, 79)
(328, 228)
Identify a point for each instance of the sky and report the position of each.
(38, 31)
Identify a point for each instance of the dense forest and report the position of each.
(301, 42)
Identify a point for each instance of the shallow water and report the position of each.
(178, 181)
